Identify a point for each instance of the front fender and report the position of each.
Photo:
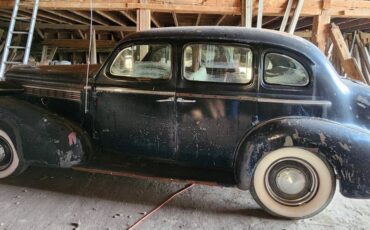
(44, 135)
(345, 147)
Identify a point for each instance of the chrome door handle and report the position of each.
(182, 100)
(170, 99)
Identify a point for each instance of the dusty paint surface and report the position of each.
(56, 198)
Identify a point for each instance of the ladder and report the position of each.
(11, 32)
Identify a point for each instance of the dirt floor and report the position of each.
(62, 199)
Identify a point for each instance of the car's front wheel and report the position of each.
(9, 160)
(293, 183)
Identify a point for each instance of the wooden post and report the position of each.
(320, 30)
(348, 63)
(93, 48)
(143, 18)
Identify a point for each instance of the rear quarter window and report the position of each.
(280, 69)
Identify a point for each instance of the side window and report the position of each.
(283, 70)
(143, 62)
(217, 63)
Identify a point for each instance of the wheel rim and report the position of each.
(291, 181)
(6, 154)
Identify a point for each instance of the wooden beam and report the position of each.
(320, 30)
(24, 26)
(78, 43)
(338, 8)
(348, 63)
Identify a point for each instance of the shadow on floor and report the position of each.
(137, 191)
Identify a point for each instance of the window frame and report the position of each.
(242, 45)
(138, 79)
(289, 55)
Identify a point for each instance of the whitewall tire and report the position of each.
(9, 160)
(293, 183)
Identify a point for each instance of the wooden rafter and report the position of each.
(86, 15)
(174, 16)
(198, 19)
(220, 20)
(155, 21)
(64, 16)
(129, 15)
(111, 17)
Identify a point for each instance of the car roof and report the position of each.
(226, 33)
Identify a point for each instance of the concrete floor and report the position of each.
(56, 198)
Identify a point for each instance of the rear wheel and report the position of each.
(9, 160)
(293, 183)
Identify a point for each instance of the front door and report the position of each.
(216, 103)
(134, 96)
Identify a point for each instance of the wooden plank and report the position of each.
(288, 10)
(320, 30)
(362, 50)
(24, 26)
(297, 13)
(78, 43)
(338, 8)
(348, 63)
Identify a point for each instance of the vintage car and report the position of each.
(249, 108)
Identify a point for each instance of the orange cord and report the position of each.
(160, 206)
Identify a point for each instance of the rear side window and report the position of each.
(143, 62)
(284, 70)
(217, 63)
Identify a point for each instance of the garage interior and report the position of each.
(64, 33)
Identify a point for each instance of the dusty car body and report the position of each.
(250, 108)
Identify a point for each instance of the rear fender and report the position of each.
(46, 138)
(345, 148)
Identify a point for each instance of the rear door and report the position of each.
(216, 102)
(134, 96)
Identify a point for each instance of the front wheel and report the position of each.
(9, 160)
(293, 183)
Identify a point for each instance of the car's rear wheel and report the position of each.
(293, 183)
(9, 160)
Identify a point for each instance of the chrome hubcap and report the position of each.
(291, 181)
(6, 155)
